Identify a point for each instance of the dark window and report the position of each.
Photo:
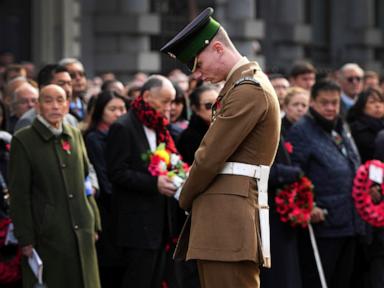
(307, 10)
(15, 28)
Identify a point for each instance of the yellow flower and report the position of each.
(164, 155)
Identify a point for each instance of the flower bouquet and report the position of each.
(163, 162)
(295, 202)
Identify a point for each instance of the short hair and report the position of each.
(351, 66)
(222, 36)
(292, 91)
(275, 76)
(24, 86)
(107, 84)
(302, 67)
(47, 73)
(154, 81)
(67, 61)
(371, 74)
(324, 85)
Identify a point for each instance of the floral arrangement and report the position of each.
(163, 162)
(370, 212)
(10, 258)
(295, 202)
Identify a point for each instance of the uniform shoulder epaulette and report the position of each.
(247, 80)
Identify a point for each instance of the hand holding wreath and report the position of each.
(295, 203)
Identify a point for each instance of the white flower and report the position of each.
(174, 159)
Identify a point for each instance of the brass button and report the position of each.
(76, 227)
(70, 196)
(63, 165)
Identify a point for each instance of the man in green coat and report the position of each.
(49, 207)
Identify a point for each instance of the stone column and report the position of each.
(287, 33)
(123, 38)
(238, 18)
(43, 31)
(362, 37)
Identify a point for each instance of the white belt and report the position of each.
(261, 174)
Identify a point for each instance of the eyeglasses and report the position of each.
(207, 106)
(354, 78)
(77, 73)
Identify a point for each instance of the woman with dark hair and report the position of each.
(179, 114)
(366, 120)
(201, 101)
(108, 107)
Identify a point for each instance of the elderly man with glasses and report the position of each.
(351, 82)
(79, 86)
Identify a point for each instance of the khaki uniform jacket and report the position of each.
(224, 215)
(49, 207)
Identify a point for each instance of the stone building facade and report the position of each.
(124, 36)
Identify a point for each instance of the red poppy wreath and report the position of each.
(370, 210)
(294, 203)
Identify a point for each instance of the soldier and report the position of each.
(226, 191)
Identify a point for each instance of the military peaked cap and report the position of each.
(190, 41)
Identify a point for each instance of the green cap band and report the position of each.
(199, 41)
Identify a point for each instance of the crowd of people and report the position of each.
(330, 126)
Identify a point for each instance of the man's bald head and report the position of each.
(159, 93)
(51, 89)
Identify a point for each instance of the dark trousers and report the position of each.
(143, 268)
(337, 256)
(376, 273)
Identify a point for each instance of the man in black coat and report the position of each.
(139, 200)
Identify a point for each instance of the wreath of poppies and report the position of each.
(10, 271)
(294, 203)
(372, 213)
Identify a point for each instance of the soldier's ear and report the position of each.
(218, 47)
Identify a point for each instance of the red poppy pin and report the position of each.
(66, 146)
(288, 146)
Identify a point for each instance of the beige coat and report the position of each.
(224, 223)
